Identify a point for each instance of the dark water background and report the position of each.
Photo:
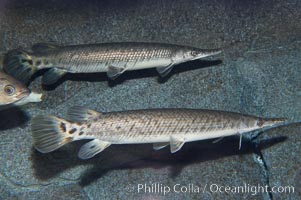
(259, 74)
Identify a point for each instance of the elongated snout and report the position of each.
(205, 53)
(270, 122)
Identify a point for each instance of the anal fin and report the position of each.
(158, 146)
(92, 148)
(52, 76)
(176, 144)
(113, 72)
(164, 71)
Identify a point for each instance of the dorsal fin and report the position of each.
(43, 47)
(82, 114)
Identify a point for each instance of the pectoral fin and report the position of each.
(176, 144)
(114, 72)
(158, 146)
(240, 139)
(92, 148)
(52, 76)
(163, 71)
(240, 132)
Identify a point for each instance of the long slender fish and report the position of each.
(13, 92)
(159, 126)
(113, 58)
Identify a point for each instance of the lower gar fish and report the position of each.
(159, 126)
(112, 58)
(13, 92)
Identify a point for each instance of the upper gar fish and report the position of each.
(159, 126)
(113, 58)
(13, 92)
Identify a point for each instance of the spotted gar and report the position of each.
(112, 58)
(158, 126)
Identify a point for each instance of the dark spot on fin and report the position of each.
(72, 131)
(164, 71)
(43, 47)
(82, 114)
(52, 76)
(113, 72)
(63, 127)
(38, 62)
(92, 148)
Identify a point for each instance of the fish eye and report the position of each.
(9, 90)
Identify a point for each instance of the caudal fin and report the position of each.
(50, 133)
(18, 64)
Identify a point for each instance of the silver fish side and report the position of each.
(161, 127)
(97, 58)
(150, 126)
(113, 58)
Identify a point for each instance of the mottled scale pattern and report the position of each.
(160, 122)
(95, 58)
